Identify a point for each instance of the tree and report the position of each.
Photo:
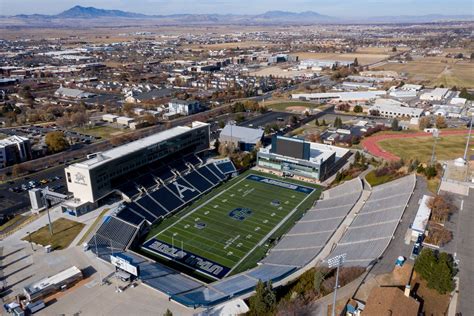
(356, 62)
(18, 170)
(316, 122)
(150, 119)
(440, 122)
(466, 95)
(437, 269)
(293, 120)
(358, 109)
(441, 208)
(374, 112)
(79, 119)
(394, 49)
(264, 300)
(424, 122)
(337, 122)
(395, 126)
(324, 122)
(168, 313)
(56, 141)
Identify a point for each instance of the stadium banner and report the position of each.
(203, 265)
(281, 184)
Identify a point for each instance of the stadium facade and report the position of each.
(93, 179)
(294, 156)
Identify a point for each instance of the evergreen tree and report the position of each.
(264, 300)
(395, 126)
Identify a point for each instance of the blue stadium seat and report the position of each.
(192, 160)
(204, 171)
(226, 167)
(182, 189)
(216, 171)
(138, 209)
(179, 165)
(146, 181)
(129, 216)
(167, 199)
(198, 181)
(151, 206)
(129, 188)
(163, 173)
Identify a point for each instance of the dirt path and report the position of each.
(371, 144)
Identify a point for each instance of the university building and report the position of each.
(93, 179)
(293, 156)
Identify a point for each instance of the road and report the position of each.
(465, 254)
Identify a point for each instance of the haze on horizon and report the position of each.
(343, 8)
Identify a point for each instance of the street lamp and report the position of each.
(29, 238)
(336, 262)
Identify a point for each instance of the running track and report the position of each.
(371, 144)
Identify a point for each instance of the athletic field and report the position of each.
(227, 226)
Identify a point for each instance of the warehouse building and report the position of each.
(243, 138)
(93, 179)
(357, 96)
(437, 94)
(293, 156)
(392, 108)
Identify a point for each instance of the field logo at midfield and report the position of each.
(240, 213)
(281, 184)
(182, 188)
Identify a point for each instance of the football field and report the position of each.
(226, 227)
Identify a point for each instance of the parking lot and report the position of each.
(14, 194)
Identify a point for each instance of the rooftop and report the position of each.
(422, 216)
(245, 134)
(12, 140)
(136, 146)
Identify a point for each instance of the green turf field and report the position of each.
(227, 225)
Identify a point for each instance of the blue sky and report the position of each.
(340, 8)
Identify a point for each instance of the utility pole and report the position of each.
(468, 139)
(336, 262)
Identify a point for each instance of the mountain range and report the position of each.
(270, 17)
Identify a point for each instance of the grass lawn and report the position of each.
(447, 148)
(64, 232)
(99, 131)
(226, 225)
(373, 180)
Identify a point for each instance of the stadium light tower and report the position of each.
(468, 139)
(336, 262)
(435, 136)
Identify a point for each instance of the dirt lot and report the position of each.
(436, 71)
(362, 58)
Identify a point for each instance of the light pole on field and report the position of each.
(336, 262)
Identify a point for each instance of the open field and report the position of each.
(64, 232)
(436, 71)
(291, 106)
(99, 131)
(362, 58)
(447, 148)
(416, 145)
(226, 227)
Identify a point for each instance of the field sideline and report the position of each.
(218, 234)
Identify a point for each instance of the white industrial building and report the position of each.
(183, 107)
(437, 94)
(357, 96)
(392, 108)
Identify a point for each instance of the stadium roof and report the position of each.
(137, 145)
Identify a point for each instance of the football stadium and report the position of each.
(227, 226)
(191, 226)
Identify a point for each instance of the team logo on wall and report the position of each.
(79, 178)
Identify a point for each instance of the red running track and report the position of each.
(371, 143)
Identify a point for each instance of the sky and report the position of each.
(336, 8)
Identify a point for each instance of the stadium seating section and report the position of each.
(306, 239)
(371, 231)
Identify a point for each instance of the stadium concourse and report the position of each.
(364, 241)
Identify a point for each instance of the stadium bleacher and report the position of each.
(372, 229)
(128, 215)
(216, 171)
(182, 190)
(198, 181)
(167, 199)
(309, 235)
(140, 210)
(113, 235)
(225, 166)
